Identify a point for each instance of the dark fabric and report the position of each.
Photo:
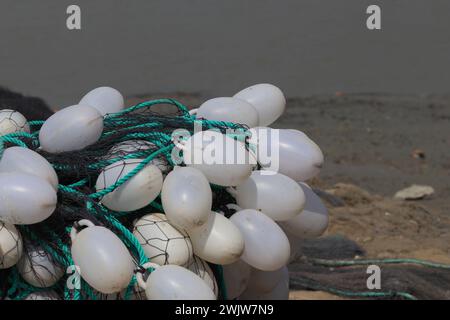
(31, 107)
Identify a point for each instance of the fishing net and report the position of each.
(327, 264)
(140, 132)
(12, 246)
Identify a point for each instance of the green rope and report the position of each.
(130, 288)
(36, 123)
(221, 282)
(13, 140)
(76, 184)
(147, 104)
(351, 294)
(131, 238)
(345, 263)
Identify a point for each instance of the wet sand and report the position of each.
(369, 140)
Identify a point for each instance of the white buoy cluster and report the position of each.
(274, 207)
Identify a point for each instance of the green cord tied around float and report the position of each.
(76, 199)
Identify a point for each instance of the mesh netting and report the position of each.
(152, 234)
(139, 132)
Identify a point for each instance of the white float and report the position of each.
(287, 151)
(104, 99)
(26, 198)
(12, 121)
(267, 99)
(218, 241)
(224, 161)
(19, 159)
(295, 243)
(11, 245)
(236, 277)
(312, 221)
(265, 281)
(266, 245)
(43, 295)
(70, 129)
(186, 198)
(171, 282)
(202, 269)
(103, 259)
(39, 269)
(124, 148)
(228, 109)
(134, 194)
(162, 243)
(276, 195)
(280, 292)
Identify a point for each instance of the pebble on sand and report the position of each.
(414, 192)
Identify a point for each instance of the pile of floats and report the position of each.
(157, 191)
